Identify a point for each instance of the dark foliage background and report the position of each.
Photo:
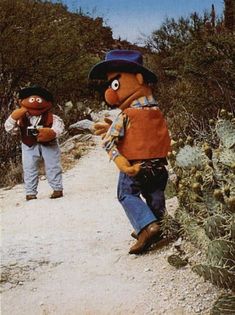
(195, 60)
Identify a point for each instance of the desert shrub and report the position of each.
(196, 69)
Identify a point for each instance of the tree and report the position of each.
(229, 15)
(44, 43)
(196, 70)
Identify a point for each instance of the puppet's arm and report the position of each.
(18, 113)
(11, 122)
(125, 167)
(49, 134)
(110, 141)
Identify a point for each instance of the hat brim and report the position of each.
(39, 91)
(100, 70)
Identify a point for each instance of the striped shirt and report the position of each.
(121, 123)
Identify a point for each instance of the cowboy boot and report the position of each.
(56, 194)
(134, 235)
(30, 197)
(145, 238)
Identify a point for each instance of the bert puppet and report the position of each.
(137, 141)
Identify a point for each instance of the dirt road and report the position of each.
(70, 256)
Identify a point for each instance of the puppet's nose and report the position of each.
(111, 97)
(31, 104)
(35, 103)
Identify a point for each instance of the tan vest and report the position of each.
(146, 136)
(46, 121)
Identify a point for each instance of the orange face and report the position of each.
(36, 103)
(124, 88)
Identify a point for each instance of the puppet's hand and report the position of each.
(134, 169)
(18, 113)
(125, 167)
(45, 134)
(102, 127)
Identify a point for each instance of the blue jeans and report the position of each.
(130, 190)
(30, 158)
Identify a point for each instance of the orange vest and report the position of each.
(146, 136)
(46, 121)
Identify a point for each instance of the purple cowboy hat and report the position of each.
(122, 61)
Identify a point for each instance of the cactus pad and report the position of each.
(217, 275)
(226, 133)
(225, 305)
(189, 157)
(222, 253)
(215, 226)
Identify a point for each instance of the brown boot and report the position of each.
(134, 235)
(30, 197)
(56, 194)
(145, 238)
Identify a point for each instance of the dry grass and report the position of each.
(69, 159)
(13, 174)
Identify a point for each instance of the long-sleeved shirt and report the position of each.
(121, 123)
(11, 125)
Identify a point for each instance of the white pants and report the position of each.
(30, 159)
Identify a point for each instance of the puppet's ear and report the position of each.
(140, 78)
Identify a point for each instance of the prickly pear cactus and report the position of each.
(206, 193)
(222, 253)
(226, 133)
(225, 305)
(227, 157)
(170, 227)
(192, 230)
(189, 157)
(219, 276)
(216, 226)
(232, 228)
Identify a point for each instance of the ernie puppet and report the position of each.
(137, 141)
(39, 130)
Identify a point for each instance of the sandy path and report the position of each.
(70, 256)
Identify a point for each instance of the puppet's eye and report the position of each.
(31, 100)
(115, 85)
(39, 100)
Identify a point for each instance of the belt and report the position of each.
(150, 162)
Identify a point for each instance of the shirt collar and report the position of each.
(144, 101)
